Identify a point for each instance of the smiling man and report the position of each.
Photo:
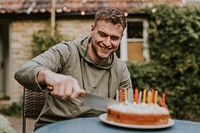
(106, 37)
(85, 65)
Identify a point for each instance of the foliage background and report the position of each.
(42, 40)
(174, 43)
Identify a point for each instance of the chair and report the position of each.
(33, 103)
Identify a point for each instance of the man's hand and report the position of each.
(62, 86)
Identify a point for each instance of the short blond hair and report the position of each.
(111, 15)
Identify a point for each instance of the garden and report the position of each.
(174, 66)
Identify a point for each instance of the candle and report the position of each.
(136, 95)
(120, 95)
(163, 99)
(117, 94)
(144, 96)
(156, 97)
(133, 96)
(130, 95)
(149, 100)
(140, 97)
(152, 95)
(125, 95)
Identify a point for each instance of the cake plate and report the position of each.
(103, 118)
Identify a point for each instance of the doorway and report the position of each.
(4, 58)
(1, 67)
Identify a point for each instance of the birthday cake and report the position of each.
(139, 108)
(139, 114)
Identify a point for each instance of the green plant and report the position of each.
(13, 110)
(174, 50)
(43, 40)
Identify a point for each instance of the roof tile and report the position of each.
(42, 6)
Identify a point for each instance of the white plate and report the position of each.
(103, 118)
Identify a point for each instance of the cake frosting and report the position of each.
(142, 108)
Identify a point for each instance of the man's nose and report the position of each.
(107, 41)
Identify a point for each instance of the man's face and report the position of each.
(106, 38)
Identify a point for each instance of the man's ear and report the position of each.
(92, 29)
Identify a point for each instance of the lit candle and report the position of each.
(136, 95)
(144, 95)
(156, 97)
(149, 98)
(163, 99)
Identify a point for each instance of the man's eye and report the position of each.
(115, 38)
(102, 34)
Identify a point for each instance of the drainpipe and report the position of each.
(32, 6)
(53, 17)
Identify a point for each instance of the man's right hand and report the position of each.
(62, 86)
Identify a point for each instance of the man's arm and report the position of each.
(41, 71)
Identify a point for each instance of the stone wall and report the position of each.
(21, 47)
(71, 29)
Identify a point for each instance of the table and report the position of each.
(94, 125)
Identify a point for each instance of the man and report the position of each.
(85, 65)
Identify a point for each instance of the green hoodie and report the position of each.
(72, 58)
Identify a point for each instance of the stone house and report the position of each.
(19, 19)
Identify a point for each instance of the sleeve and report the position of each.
(53, 59)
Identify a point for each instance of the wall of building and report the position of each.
(21, 47)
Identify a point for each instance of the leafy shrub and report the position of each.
(13, 110)
(174, 50)
(43, 40)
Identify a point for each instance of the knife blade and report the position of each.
(98, 102)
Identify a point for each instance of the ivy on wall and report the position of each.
(174, 43)
(42, 40)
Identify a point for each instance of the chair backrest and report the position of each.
(33, 103)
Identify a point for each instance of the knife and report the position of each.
(98, 102)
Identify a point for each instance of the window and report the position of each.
(135, 29)
(134, 43)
